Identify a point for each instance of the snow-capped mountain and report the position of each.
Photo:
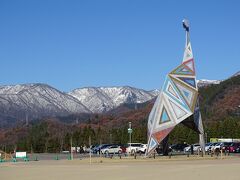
(206, 82)
(37, 100)
(103, 99)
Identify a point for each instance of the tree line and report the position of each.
(54, 138)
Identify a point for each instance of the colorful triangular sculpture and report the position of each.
(177, 101)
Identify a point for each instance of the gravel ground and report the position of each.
(180, 168)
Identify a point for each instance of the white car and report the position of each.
(208, 147)
(218, 146)
(114, 149)
(214, 146)
(196, 148)
(142, 148)
(132, 148)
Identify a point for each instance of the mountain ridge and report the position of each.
(37, 100)
(103, 99)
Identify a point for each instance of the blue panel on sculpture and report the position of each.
(190, 81)
(153, 143)
(164, 117)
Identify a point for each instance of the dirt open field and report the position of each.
(142, 169)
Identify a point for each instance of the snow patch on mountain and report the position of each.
(103, 99)
(206, 82)
(236, 74)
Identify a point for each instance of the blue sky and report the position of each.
(71, 44)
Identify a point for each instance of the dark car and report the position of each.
(233, 147)
(177, 147)
(160, 150)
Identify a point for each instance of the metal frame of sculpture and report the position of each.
(176, 103)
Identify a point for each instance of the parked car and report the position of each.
(233, 147)
(113, 149)
(226, 146)
(196, 148)
(177, 147)
(97, 149)
(212, 146)
(88, 149)
(160, 150)
(217, 147)
(132, 148)
(142, 148)
(208, 147)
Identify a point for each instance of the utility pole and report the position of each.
(100, 153)
(5, 153)
(130, 135)
(71, 148)
(90, 153)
